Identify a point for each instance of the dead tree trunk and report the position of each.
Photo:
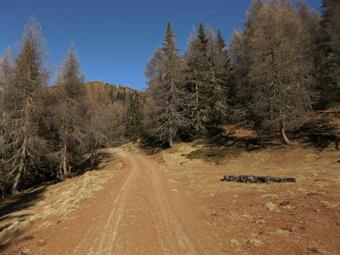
(284, 137)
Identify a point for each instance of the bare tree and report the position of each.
(280, 69)
(22, 107)
(71, 113)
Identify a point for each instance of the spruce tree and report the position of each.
(164, 73)
(220, 79)
(329, 54)
(197, 86)
(133, 125)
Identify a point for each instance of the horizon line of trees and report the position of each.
(274, 74)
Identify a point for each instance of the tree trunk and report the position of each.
(284, 137)
(65, 163)
(170, 142)
(16, 181)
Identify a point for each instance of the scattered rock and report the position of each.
(41, 243)
(255, 243)
(270, 196)
(246, 216)
(260, 221)
(270, 206)
(234, 242)
(214, 213)
(283, 232)
(313, 194)
(284, 203)
(328, 205)
(314, 251)
(25, 251)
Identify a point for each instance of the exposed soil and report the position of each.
(168, 204)
(286, 218)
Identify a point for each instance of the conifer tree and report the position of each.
(331, 23)
(23, 107)
(220, 79)
(311, 22)
(280, 69)
(133, 125)
(70, 116)
(197, 85)
(240, 55)
(164, 73)
(329, 54)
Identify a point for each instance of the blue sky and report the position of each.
(116, 38)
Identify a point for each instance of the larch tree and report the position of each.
(23, 107)
(6, 74)
(280, 69)
(164, 73)
(311, 22)
(239, 52)
(71, 115)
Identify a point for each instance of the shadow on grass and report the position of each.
(221, 144)
(9, 209)
(20, 202)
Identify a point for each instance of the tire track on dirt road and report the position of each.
(104, 244)
(136, 213)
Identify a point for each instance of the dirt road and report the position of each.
(169, 204)
(136, 213)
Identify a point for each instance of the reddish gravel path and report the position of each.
(136, 213)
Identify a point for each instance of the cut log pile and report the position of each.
(257, 179)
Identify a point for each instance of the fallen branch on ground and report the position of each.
(256, 179)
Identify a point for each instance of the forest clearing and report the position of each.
(168, 204)
(221, 138)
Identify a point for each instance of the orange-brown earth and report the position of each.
(168, 204)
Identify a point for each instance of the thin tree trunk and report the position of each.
(16, 182)
(20, 170)
(65, 163)
(284, 137)
(170, 142)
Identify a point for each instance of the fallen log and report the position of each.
(256, 179)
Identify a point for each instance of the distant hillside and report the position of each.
(110, 105)
(115, 92)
